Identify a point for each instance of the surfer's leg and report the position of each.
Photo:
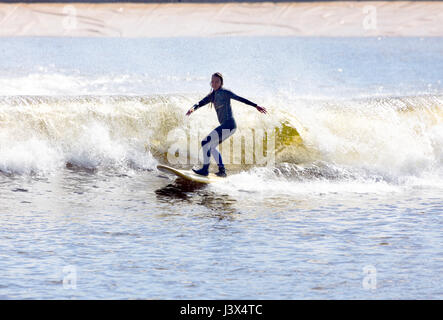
(217, 156)
(204, 171)
(214, 143)
(221, 167)
(225, 130)
(207, 144)
(224, 133)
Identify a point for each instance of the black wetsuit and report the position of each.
(222, 103)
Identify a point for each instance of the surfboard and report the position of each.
(190, 175)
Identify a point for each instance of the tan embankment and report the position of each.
(382, 18)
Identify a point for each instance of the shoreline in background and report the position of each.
(336, 19)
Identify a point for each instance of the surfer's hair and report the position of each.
(218, 75)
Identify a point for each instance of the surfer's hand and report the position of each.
(261, 109)
(190, 111)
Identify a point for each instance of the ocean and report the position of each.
(346, 204)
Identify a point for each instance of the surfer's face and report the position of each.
(215, 82)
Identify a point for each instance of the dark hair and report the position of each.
(218, 75)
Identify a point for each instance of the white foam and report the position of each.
(30, 156)
(263, 182)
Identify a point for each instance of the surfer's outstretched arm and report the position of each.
(202, 102)
(246, 101)
(205, 100)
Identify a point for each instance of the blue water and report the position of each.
(308, 66)
(85, 214)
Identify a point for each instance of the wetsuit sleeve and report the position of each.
(205, 100)
(241, 99)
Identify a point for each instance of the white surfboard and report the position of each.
(190, 175)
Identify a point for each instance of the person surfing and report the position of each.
(221, 99)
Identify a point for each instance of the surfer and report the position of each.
(221, 99)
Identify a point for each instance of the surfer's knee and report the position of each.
(205, 141)
(211, 139)
(226, 133)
